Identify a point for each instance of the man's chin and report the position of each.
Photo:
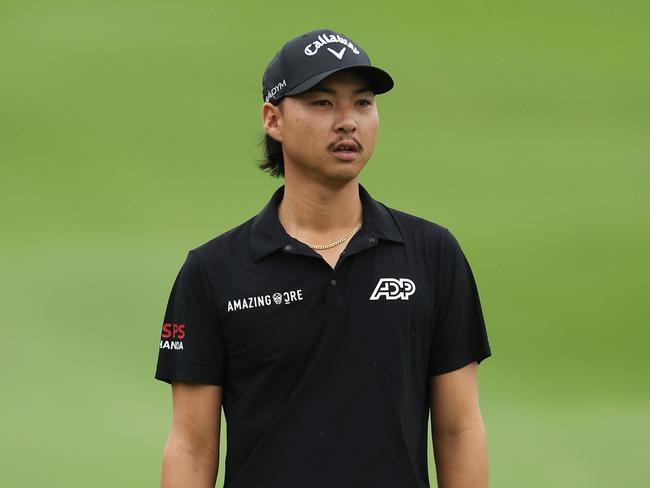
(345, 172)
(333, 170)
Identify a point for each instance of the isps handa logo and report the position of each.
(393, 289)
(172, 336)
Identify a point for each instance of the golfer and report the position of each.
(329, 326)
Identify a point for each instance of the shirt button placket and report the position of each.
(333, 297)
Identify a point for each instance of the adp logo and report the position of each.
(393, 289)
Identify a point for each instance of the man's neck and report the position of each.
(312, 212)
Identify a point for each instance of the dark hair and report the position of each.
(273, 160)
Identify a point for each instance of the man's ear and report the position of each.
(272, 120)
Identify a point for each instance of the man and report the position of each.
(328, 325)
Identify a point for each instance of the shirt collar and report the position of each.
(267, 233)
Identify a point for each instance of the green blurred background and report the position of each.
(129, 133)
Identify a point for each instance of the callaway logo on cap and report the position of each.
(309, 58)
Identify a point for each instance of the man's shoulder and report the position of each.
(227, 243)
(427, 238)
(413, 225)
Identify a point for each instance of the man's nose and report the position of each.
(346, 121)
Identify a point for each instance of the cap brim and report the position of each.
(380, 81)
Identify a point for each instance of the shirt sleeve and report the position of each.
(459, 334)
(192, 347)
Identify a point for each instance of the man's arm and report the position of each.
(191, 455)
(457, 430)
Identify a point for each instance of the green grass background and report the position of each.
(128, 135)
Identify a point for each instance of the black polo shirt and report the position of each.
(325, 372)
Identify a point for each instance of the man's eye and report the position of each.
(321, 102)
(365, 102)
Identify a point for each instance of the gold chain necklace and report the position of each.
(335, 243)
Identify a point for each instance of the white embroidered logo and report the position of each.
(275, 90)
(337, 54)
(393, 289)
(278, 298)
(324, 39)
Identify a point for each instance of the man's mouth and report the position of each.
(346, 150)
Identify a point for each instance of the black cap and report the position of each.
(309, 58)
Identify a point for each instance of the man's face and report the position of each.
(328, 132)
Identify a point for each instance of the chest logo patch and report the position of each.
(279, 298)
(393, 289)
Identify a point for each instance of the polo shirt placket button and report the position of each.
(371, 240)
(334, 300)
(288, 247)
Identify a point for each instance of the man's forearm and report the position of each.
(461, 458)
(184, 466)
